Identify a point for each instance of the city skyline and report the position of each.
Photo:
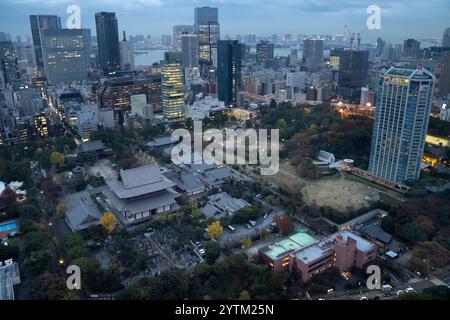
(157, 17)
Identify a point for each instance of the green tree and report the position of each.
(212, 251)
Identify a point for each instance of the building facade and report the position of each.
(401, 122)
(66, 54)
(39, 23)
(312, 54)
(353, 70)
(190, 50)
(229, 70)
(264, 51)
(126, 54)
(207, 28)
(116, 92)
(172, 87)
(178, 32)
(108, 41)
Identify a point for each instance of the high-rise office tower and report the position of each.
(380, 46)
(353, 70)
(229, 70)
(312, 54)
(207, 28)
(443, 69)
(126, 54)
(9, 67)
(178, 31)
(264, 51)
(166, 40)
(190, 50)
(274, 38)
(446, 38)
(401, 122)
(411, 48)
(66, 54)
(108, 41)
(39, 23)
(172, 86)
(4, 36)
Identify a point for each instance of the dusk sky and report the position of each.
(400, 19)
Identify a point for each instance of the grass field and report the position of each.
(335, 191)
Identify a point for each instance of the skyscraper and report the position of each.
(411, 48)
(126, 54)
(108, 41)
(4, 36)
(446, 38)
(207, 28)
(190, 50)
(264, 51)
(380, 46)
(353, 69)
(172, 86)
(9, 68)
(178, 31)
(66, 54)
(401, 122)
(39, 23)
(312, 54)
(229, 70)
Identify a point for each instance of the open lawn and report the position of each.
(341, 193)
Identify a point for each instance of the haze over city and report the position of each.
(261, 17)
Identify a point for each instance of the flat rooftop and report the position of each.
(300, 239)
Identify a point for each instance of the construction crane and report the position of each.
(351, 35)
(354, 36)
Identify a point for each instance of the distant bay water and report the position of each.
(152, 56)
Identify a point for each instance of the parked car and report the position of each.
(400, 292)
(231, 228)
(251, 222)
(410, 290)
(248, 226)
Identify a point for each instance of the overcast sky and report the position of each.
(400, 19)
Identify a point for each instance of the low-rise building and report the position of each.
(307, 256)
(9, 277)
(83, 216)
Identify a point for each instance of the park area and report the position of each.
(335, 191)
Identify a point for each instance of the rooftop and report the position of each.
(161, 141)
(292, 243)
(139, 181)
(361, 243)
(94, 145)
(375, 231)
(83, 215)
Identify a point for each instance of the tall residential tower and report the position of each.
(401, 122)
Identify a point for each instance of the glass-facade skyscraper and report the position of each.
(207, 28)
(39, 23)
(108, 41)
(66, 54)
(401, 122)
(264, 51)
(229, 70)
(313, 54)
(353, 71)
(9, 67)
(172, 86)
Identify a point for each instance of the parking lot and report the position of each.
(243, 232)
